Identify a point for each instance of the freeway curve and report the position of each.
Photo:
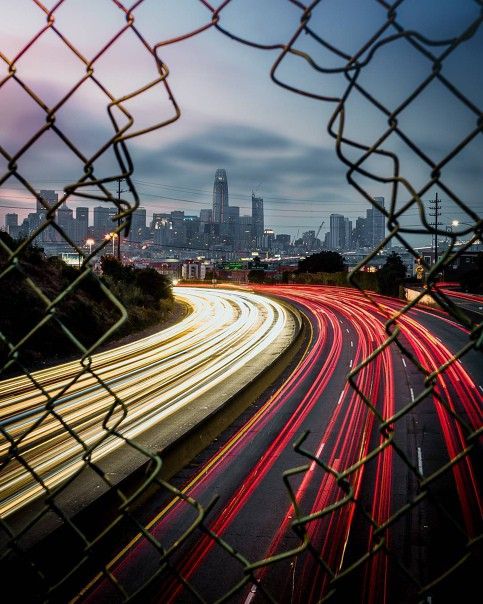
(415, 530)
(149, 381)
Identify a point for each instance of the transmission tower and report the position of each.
(435, 212)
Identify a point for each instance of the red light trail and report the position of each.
(345, 431)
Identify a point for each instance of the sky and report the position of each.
(269, 139)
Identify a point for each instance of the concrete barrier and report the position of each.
(427, 300)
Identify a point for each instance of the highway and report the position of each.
(468, 302)
(148, 381)
(343, 508)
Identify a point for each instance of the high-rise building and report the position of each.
(308, 239)
(246, 239)
(359, 234)
(137, 232)
(11, 220)
(234, 223)
(65, 220)
(178, 227)
(268, 239)
(103, 223)
(48, 234)
(220, 197)
(370, 231)
(337, 232)
(81, 224)
(49, 197)
(158, 219)
(282, 242)
(162, 229)
(258, 226)
(377, 223)
(206, 218)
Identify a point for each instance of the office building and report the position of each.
(50, 199)
(340, 231)
(137, 232)
(206, 218)
(376, 220)
(258, 226)
(11, 221)
(178, 227)
(162, 229)
(81, 225)
(268, 239)
(65, 220)
(282, 242)
(103, 221)
(220, 198)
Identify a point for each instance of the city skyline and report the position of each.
(268, 388)
(218, 229)
(270, 140)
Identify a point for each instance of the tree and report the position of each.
(112, 267)
(256, 276)
(323, 262)
(472, 280)
(391, 275)
(153, 284)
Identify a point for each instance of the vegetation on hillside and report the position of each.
(323, 262)
(327, 268)
(85, 311)
(391, 275)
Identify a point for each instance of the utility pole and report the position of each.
(119, 191)
(435, 207)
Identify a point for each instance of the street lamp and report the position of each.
(90, 243)
(456, 223)
(474, 227)
(113, 237)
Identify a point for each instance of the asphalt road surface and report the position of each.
(368, 509)
(63, 413)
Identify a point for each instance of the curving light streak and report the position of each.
(347, 328)
(154, 378)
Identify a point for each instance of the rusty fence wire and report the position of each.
(366, 164)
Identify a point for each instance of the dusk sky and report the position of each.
(233, 116)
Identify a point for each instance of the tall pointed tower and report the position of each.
(220, 198)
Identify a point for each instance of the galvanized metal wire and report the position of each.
(354, 154)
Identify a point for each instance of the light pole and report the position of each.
(456, 223)
(90, 243)
(112, 237)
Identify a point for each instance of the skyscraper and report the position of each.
(340, 232)
(206, 218)
(258, 226)
(11, 220)
(103, 223)
(81, 224)
(378, 223)
(138, 225)
(65, 220)
(220, 197)
(50, 198)
(234, 223)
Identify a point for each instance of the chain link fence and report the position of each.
(21, 427)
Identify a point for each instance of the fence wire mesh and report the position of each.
(22, 426)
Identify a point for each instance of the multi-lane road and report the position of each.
(378, 512)
(52, 421)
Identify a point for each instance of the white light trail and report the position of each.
(153, 377)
